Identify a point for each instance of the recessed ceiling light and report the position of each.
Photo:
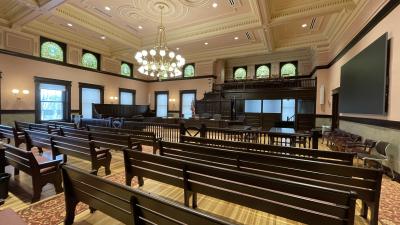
(177, 49)
(236, 38)
(103, 37)
(304, 25)
(215, 5)
(107, 8)
(69, 24)
(206, 43)
(140, 27)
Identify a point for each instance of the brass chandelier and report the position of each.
(159, 61)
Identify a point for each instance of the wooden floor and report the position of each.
(20, 188)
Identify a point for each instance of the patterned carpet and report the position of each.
(51, 211)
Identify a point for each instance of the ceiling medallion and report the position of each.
(159, 61)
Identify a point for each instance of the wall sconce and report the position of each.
(15, 92)
(172, 100)
(113, 98)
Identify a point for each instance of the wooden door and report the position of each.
(335, 111)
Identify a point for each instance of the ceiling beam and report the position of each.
(308, 10)
(36, 10)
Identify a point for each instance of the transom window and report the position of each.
(126, 69)
(262, 71)
(288, 70)
(89, 60)
(188, 70)
(240, 73)
(51, 49)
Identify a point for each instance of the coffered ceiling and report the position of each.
(118, 28)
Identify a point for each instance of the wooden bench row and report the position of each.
(301, 153)
(366, 182)
(125, 204)
(293, 200)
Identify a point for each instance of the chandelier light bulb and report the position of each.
(153, 67)
(152, 74)
(138, 55)
(162, 53)
(173, 65)
(144, 53)
(153, 52)
(178, 57)
(171, 55)
(145, 62)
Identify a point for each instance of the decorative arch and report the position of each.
(288, 70)
(52, 50)
(89, 60)
(240, 73)
(263, 71)
(188, 70)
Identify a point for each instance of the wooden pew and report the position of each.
(21, 126)
(366, 182)
(9, 133)
(145, 138)
(300, 202)
(58, 124)
(41, 169)
(125, 204)
(301, 153)
(82, 149)
(37, 139)
(102, 139)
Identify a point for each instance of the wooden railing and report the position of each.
(266, 83)
(168, 132)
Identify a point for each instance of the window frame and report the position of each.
(258, 66)
(181, 92)
(67, 102)
(295, 63)
(98, 57)
(130, 66)
(186, 65)
(155, 100)
(92, 86)
(132, 91)
(238, 67)
(62, 45)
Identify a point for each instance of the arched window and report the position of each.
(126, 70)
(288, 70)
(51, 50)
(188, 70)
(89, 60)
(262, 71)
(240, 73)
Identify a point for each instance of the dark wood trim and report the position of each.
(323, 116)
(374, 122)
(181, 92)
(36, 58)
(66, 83)
(75, 111)
(93, 86)
(386, 10)
(132, 91)
(17, 111)
(155, 99)
(185, 78)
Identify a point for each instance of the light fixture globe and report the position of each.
(159, 61)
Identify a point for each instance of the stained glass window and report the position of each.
(288, 70)
(189, 71)
(240, 74)
(89, 60)
(262, 72)
(51, 50)
(126, 70)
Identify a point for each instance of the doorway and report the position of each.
(335, 111)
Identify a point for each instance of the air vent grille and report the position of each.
(249, 36)
(312, 24)
(234, 3)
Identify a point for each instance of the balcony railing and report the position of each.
(306, 83)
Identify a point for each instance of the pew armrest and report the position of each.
(50, 163)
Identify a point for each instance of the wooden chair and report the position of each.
(10, 133)
(83, 149)
(125, 204)
(379, 154)
(292, 200)
(42, 170)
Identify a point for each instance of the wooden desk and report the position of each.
(286, 136)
